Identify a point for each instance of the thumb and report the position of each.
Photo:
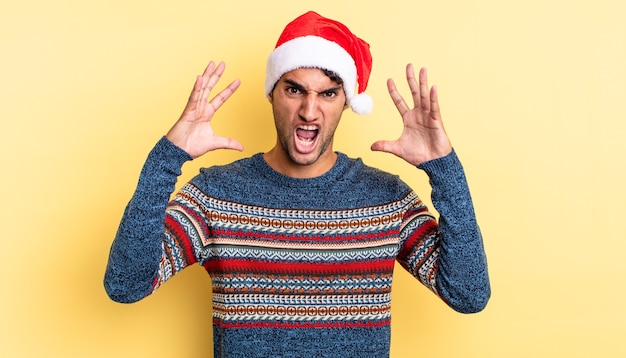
(384, 146)
(228, 143)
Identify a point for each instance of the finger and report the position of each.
(209, 69)
(206, 87)
(195, 94)
(381, 146)
(214, 77)
(206, 74)
(424, 92)
(386, 146)
(413, 85)
(434, 104)
(228, 143)
(224, 95)
(396, 97)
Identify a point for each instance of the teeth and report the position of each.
(308, 138)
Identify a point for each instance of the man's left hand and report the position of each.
(423, 137)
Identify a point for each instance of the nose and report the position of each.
(309, 107)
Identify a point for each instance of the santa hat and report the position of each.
(313, 41)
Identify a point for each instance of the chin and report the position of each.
(304, 159)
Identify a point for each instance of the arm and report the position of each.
(451, 255)
(136, 252)
(461, 277)
(135, 260)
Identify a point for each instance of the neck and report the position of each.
(281, 162)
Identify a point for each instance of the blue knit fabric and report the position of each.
(155, 241)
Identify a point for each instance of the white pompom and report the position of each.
(362, 104)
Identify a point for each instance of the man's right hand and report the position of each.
(192, 132)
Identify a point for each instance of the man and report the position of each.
(300, 241)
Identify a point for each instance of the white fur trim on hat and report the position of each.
(316, 52)
(362, 104)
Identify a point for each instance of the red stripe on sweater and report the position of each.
(417, 237)
(181, 238)
(303, 268)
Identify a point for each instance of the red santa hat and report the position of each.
(313, 41)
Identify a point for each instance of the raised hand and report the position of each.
(423, 137)
(193, 132)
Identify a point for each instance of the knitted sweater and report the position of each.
(300, 267)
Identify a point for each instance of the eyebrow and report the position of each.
(300, 87)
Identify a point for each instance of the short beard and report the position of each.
(286, 142)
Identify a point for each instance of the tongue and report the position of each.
(306, 134)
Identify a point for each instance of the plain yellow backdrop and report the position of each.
(533, 95)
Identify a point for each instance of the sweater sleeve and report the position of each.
(136, 252)
(458, 260)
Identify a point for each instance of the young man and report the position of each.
(300, 241)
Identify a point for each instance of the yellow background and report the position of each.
(533, 96)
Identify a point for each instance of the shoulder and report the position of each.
(237, 168)
(230, 179)
(374, 181)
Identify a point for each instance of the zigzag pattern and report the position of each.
(302, 300)
(378, 283)
(193, 196)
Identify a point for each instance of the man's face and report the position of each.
(307, 107)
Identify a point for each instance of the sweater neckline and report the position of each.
(333, 174)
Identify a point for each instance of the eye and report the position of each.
(293, 90)
(329, 94)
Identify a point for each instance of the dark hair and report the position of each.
(330, 74)
(333, 76)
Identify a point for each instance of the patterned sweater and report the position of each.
(300, 267)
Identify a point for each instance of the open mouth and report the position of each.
(306, 136)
